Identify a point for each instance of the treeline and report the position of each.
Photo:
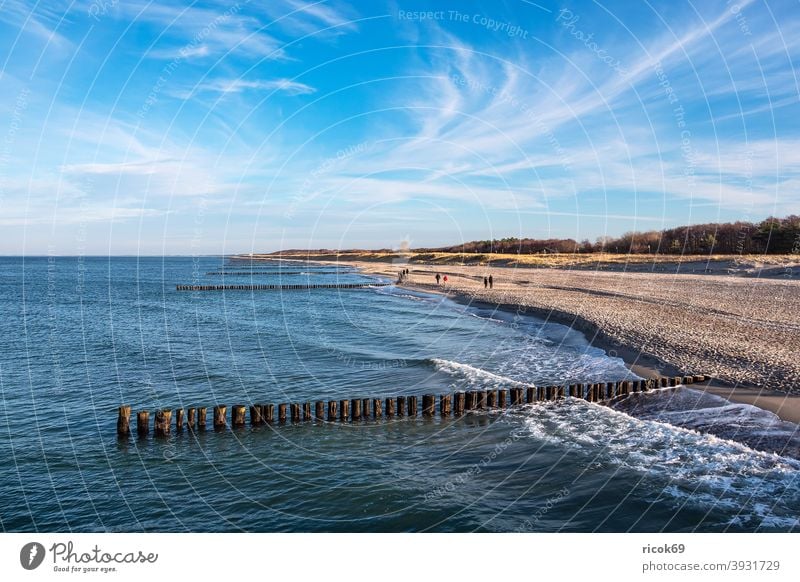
(773, 235)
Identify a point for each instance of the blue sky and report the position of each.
(130, 127)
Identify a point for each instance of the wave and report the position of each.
(474, 376)
(751, 488)
(708, 413)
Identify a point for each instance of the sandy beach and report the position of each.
(745, 332)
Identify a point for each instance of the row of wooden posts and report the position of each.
(357, 409)
(277, 287)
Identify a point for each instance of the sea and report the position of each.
(80, 336)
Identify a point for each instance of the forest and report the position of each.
(770, 236)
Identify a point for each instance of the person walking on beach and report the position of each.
(491, 282)
(445, 279)
(485, 282)
(437, 278)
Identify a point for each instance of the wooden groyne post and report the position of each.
(124, 421)
(357, 409)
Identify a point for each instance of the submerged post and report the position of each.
(471, 400)
(332, 410)
(445, 402)
(412, 405)
(219, 416)
(268, 413)
(481, 402)
(459, 403)
(428, 405)
(282, 412)
(344, 406)
(191, 418)
(306, 411)
(401, 405)
(355, 404)
(255, 415)
(142, 423)
(201, 418)
(163, 418)
(179, 419)
(376, 408)
(389, 407)
(124, 421)
(501, 397)
(295, 408)
(238, 415)
(365, 403)
(530, 394)
(319, 410)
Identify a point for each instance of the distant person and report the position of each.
(438, 277)
(491, 282)
(485, 282)
(445, 279)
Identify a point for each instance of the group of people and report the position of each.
(488, 282)
(404, 273)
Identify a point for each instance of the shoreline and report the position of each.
(784, 405)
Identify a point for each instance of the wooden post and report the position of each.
(282, 412)
(201, 418)
(516, 396)
(179, 419)
(459, 398)
(295, 408)
(428, 405)
(530, 394)
(332, 410)
(412, 406)
(344, 410)
(191, 418)
(389, 407)
(501, 398)
(699, 378)
(163, 419)
(219, 417)
(238, 415)
(124, 421)
(664, 381)
(401, 405)
(491, 399)
(268, 413)
(142, 423)
(255, 415)
(319, 410)
(559, 393)
(376, 408)
(355, 405)
(470, 400)
(481, 400)
(541, 393)
(548, 392)
(365, 405)
(445, 402)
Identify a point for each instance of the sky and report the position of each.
(149, 128)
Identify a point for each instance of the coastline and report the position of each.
(785, 405)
